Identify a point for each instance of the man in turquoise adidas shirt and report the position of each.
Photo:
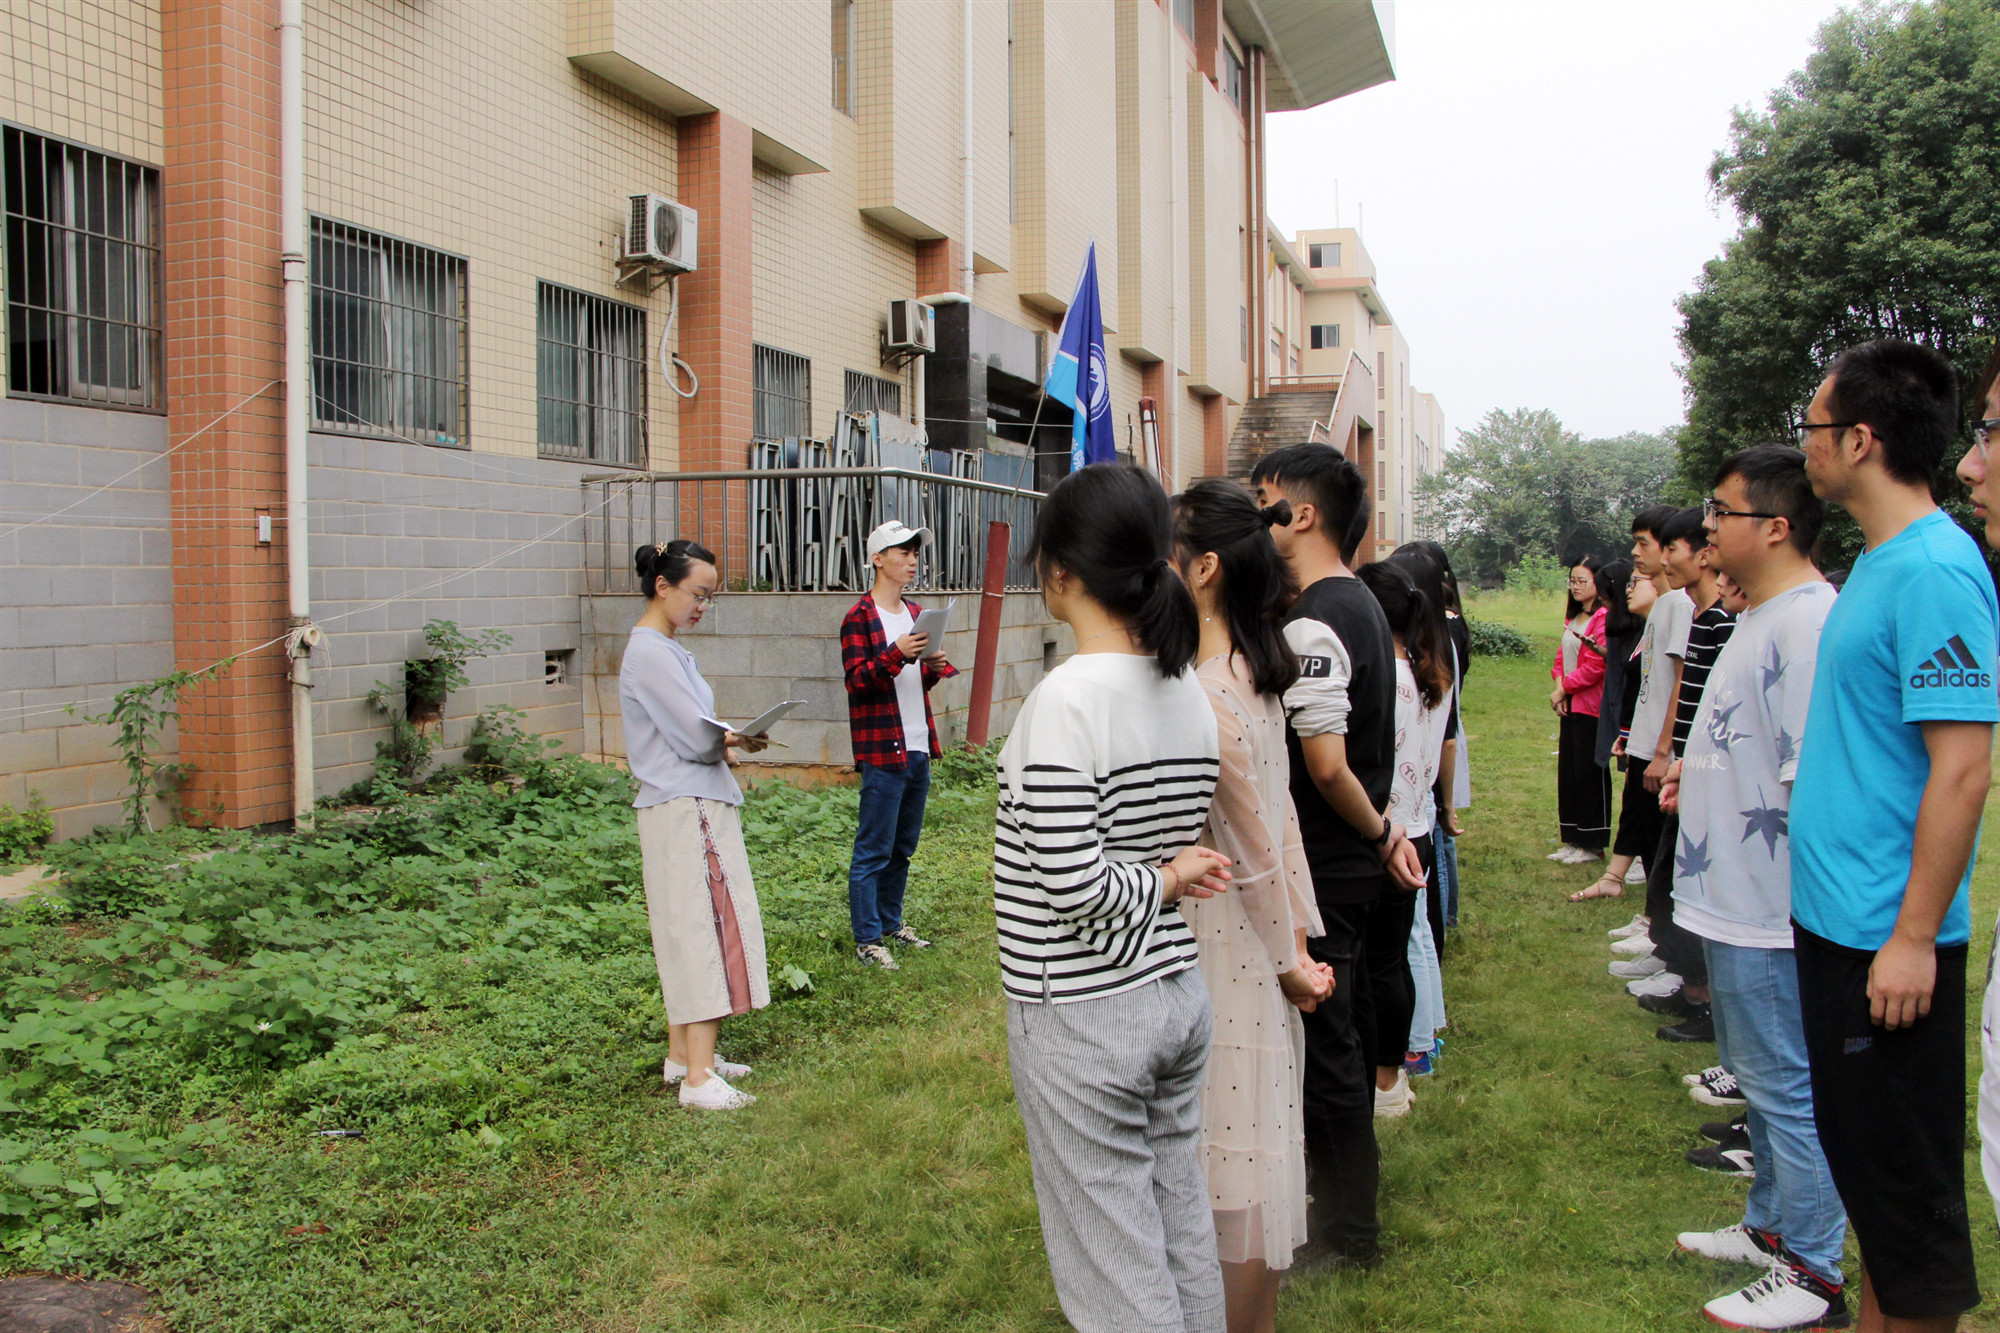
(1893, 773)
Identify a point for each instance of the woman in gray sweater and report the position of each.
(708, 938)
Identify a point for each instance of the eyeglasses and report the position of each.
(1982, 432)
(1803, 430)
(1712, 509)
(704, 600)
(1582, 578)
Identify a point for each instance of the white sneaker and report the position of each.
(1787, 1297)
(1638, 925)
(714, 1095)
(1660, 983)
(1723, 1091)
(1561, 853)
(1733, 1245)
(1708, 1075)
(1637, 874)
(1397, 1101)
(1633, 946)
(1579, 856)
(1631, 969)
(674, 1073)
(874, 955)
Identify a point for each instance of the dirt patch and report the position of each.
(67, 1305)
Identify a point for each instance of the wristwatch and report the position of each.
(1383, 837)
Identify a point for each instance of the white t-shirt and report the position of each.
(1665, 637)
(1733, 865)
(1419, 751)
(909, 683)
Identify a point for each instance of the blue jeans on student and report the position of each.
(1447, 872)
(885, 838)
(1760, 1036)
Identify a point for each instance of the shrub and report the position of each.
(23, 831)
(965, 769)
(1538, 572)
(1494, 640)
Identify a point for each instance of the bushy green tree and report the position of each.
(1521, 484)
(1866, 193)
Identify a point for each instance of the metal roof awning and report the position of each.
(1318, 49)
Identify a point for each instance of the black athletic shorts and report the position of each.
(1891, 1114)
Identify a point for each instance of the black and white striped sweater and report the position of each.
(1109, 770)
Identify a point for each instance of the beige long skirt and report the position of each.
(702, 906)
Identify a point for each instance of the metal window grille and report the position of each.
(590, 377)
(388, 337)
(872, 393)
(780, 394)
(83, 273)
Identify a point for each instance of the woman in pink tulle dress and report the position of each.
(1252, 938)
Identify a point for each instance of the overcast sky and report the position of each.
(1533, 189)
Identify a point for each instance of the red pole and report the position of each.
(992, 599)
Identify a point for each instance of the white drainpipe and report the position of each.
(965, 270)
(292, 232)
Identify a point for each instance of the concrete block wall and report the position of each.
(483, 540)
(86, 599)
(758, 649)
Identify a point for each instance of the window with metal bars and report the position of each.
(780, 394)
(83, 273)
(388, 336)
(872, 393)
(590, 377)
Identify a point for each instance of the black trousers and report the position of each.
(1583, 790)
(1392, 990)
(1679, 950)
(1638, 817)
(1343, 1162)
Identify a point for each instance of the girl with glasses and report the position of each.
(1583, 790)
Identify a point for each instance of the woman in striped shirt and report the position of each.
(1105, 785)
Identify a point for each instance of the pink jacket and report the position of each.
(1584, 685)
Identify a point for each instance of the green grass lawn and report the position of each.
(479, 1000)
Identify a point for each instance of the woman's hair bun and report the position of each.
(668, 560)
(1276, 515)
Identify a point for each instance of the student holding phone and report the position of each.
(890, 671)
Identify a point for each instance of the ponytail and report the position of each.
(1416, 624)
(668, 560)
(1109, 527)
(1218, 516)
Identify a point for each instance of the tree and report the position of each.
(1523, 484)
(1865, 190)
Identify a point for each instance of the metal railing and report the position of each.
(804, 529)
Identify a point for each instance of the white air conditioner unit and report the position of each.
(912, 327)
(660, 232)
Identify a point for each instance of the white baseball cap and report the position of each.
(893, 533)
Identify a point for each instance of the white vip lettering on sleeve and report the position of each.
(1317, 704)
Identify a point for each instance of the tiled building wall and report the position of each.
(484, 541)
(466, 128)
(88, 604)
(85, 70)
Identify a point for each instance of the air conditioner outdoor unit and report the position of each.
(661, 232)
(912, 327)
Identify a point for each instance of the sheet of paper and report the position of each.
(762, 723)
(934, 623)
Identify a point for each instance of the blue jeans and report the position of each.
(1446, 847)
(885, 838)
(1760, 1036)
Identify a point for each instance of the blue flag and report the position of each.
(1079, 377)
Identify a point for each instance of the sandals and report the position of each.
(1616, 889)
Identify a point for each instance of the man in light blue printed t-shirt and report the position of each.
(1732, 887)
(1893, 775)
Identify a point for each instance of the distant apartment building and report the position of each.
(478, 349)
(1338, 328)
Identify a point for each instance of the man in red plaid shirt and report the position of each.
(889, 672)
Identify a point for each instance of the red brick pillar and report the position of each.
(938, 265)
(224, 340)
(716, 330)
(1215, 436)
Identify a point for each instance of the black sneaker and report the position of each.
(904, 935)
(1698, 1026)
(1318, 1257)
(1725, 1159)
(1718, 1131)
(1674, 1004)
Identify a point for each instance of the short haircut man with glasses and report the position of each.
(1894, 770)
(1732, 887)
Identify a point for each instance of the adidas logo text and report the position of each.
(1951, 667)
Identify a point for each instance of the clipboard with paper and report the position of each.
(761, 723)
